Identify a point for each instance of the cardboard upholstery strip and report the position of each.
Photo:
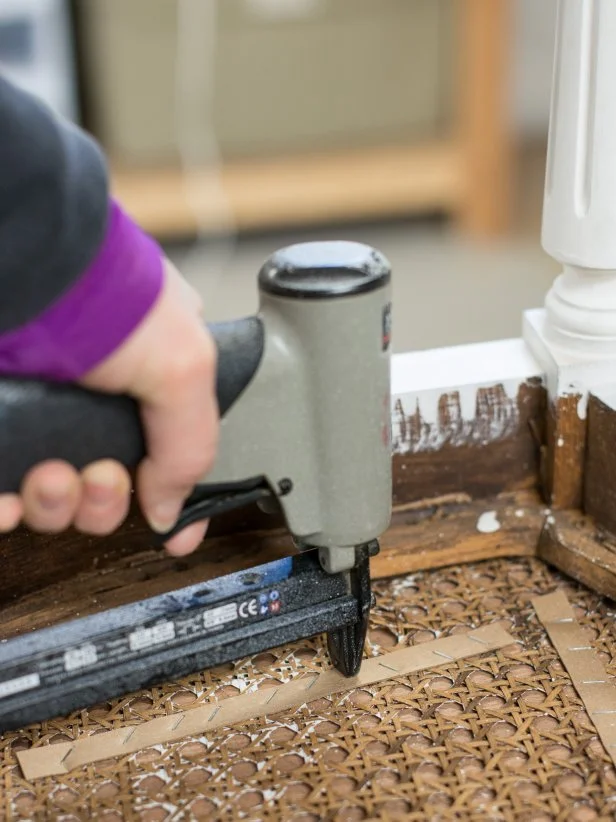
(586, 670)
(50, 760)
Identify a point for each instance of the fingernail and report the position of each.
(163, 517)
(101, 483)
(51, 498)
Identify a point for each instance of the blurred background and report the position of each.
(234, 127)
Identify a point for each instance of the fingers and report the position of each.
(182, 438)
(10, 512)
(180, 415)
(50, 495)
(55, 496)
(187, 540)
(105, 498)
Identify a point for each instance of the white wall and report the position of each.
(533, 47)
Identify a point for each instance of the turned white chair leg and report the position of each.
(579, 216)
(574, 336)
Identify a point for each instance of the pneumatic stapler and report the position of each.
(303, 391)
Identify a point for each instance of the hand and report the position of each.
(169, 365)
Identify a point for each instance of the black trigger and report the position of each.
(203, 504)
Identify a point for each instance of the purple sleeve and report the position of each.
(92, 319)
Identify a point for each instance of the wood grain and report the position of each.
(600, 475)
(32, 561)
(471, 458)
(571, 542)
(446, 531)
(562, 463)
(430, 534)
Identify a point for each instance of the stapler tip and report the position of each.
(346, 647)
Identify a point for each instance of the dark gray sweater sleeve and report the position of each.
(54, 203)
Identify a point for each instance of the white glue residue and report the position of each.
(488, 523)
(574, 390)
(582, 406)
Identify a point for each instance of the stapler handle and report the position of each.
(41, 420)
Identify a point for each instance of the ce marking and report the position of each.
(248, 608)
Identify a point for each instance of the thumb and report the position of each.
(169, 364)
(181, 431)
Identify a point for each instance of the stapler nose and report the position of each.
(346, 644)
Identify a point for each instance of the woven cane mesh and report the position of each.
(502, 736)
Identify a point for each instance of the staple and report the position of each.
(313, 682)
(180, 719)
(445, 656)
(476, 639)
(580, 648)
(563, 619)
(598, 713)
(129, 734)
(594, 682)
(389, 667)
(213, 714)
(67, 754)
(267, 701)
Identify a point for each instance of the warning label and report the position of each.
(220, 616)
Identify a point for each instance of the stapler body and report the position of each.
(303, 390)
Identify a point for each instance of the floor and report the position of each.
(447, 289)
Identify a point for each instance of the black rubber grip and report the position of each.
(41, 421)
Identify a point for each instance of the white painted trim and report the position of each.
(485, 363)
(568, 373)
